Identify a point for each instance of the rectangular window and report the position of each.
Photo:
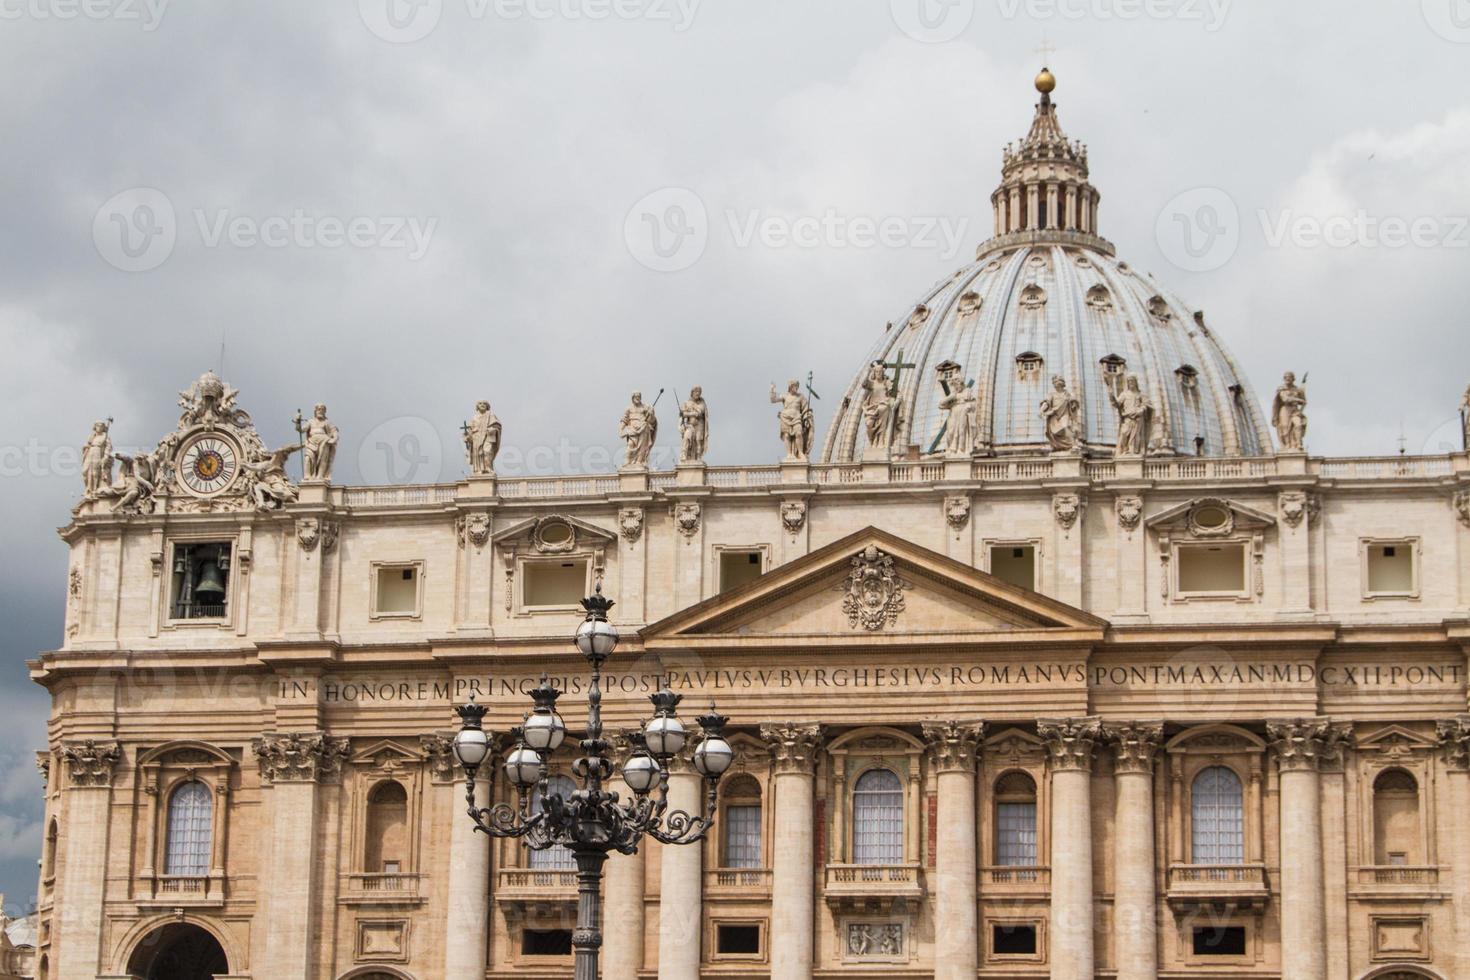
(554, 584)
(742, 837)
(1219, 941)
(1015, 837)
(1390, 569)
(201, 580)
(396, 590)
(1012, 939)
(738, 567)
(738, 940)
(1015, 564)
(546, 942)
(1212, 569)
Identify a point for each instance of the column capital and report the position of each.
(1069, 742)
(90, 763)
(1135, 743)
(793, 745)
(1454, 741)
(444, 765)
(1306, 744)
(953, 745)
(300, 757)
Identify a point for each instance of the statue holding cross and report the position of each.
(482, 440)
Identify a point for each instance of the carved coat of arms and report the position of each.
(873, 592)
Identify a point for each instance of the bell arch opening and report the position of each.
(178, 951)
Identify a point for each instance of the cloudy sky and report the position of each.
(399, 207)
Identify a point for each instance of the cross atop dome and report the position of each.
(1044, 193)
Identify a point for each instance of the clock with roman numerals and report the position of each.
(208, 465)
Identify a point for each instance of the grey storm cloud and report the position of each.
(399, 208)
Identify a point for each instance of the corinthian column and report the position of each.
(1300, 747)
(1454, 741)
(680, 887)
(952, 751)
(292, 764)
(467, 926)
(90, 767)
(1069, 744)
(794, 747)
(1135, 923)
(622, 913)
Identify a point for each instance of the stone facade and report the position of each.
(1038, 714)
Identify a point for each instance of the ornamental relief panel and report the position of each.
(873, 592)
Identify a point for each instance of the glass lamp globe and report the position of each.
(640, 772)
(544, 730)
(597, 639)
(470, 747)
(665, 735)
(713, 756)
(523, 767)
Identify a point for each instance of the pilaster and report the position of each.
(90, 770)
(794, 747)
(1454, 743)
(680, 906)
(1135, 903)
(1070, 743)
(953, 750)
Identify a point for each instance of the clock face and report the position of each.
(208, 465)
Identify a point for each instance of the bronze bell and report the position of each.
(211, 584)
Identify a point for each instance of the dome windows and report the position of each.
(1099, 298)
(1030, 366)
(1033, 297)
(1158, 308)
(1188, 376)
(1113, 368)
(919, 317)
(970, 303)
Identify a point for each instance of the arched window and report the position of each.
(742, 825)
(1396, 818)
(386, 850)
(48, 860)
(190, 819)
(558, 858)
(1217, 817)
(1015, 820)
(877, 818)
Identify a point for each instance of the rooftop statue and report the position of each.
(482, 440)
(1288, 414)
(639, 429)
(693, 427)
(795, 420)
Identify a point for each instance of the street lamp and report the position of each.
(590, 822)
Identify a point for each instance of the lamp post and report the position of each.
(591, 821)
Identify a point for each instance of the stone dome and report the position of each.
(1046, 297)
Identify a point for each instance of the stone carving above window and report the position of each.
(873, 597)
(875, 940)
(300, 756)
(474, 529)
(793, 515)
(311, 531)
(1067, 509)
(1130, 512)
(957, 512)
(1295, 505)
(687, 518)
(630, 524)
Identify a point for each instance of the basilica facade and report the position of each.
(1061, 656)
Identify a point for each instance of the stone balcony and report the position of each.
(735, 883)
(181, 891)
(872, 887)
(535, 891)
(1016, 881)
(1396, 882)
(1222, 888)
(395, 888)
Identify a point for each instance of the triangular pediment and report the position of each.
(869, 588)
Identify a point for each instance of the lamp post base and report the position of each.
(587, 937)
